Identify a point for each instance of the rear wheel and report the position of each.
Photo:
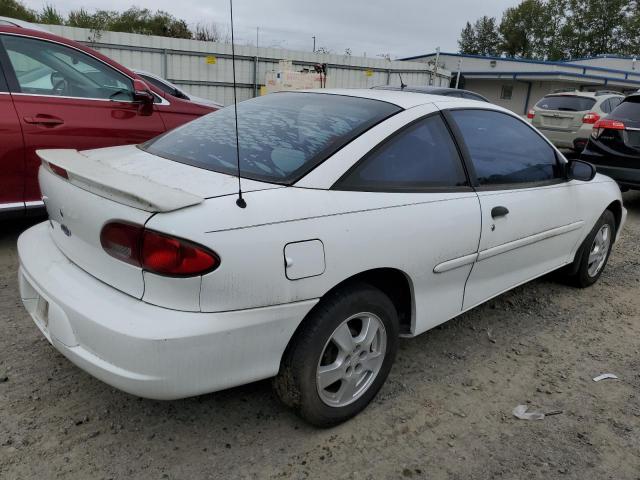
(595, 251)
(340, 357)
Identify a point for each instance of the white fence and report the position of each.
(204, 68)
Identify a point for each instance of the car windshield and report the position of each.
(568, 103)
(282, 136)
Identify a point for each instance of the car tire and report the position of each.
(359, 365)
(594, 252)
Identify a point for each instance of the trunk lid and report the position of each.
(562, 112)
(121, 184)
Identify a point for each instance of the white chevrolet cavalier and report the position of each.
(370, 215)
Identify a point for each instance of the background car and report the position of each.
(567, 118)
(447, 92)
(57, 93)
(173, 91)
(614, 144)
(363, 221)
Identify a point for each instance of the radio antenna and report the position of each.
(240, 201)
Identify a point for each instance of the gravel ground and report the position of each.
(445, 411)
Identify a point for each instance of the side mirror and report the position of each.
(143, 95)
(583, 171)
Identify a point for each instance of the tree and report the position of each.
(50, 15)
(468, 43)
(523, 30)
(15, 9)
(487, 36)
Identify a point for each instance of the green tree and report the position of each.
(468, 43)
(51, 16)
(522, 30)
(487, 36)
(15, 9)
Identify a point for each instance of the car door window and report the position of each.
(505, 150)
(46, 68)
(418, 157)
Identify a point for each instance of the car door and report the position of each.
(11, 154)
(433, 228)
(65, 98)
(530, 222)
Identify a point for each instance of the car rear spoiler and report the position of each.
(106, 181)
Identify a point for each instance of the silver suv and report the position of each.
(567, 118)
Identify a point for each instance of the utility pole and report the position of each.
(459, 72)
(314, 44)
(257, 37)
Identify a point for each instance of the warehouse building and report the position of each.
(518, 84)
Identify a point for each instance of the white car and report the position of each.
(370, 215)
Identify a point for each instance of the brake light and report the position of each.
(531, 113)
(591, 117)
(609, 124)
(156, 252)
(59, 171)
(606, 124)
(172, 256)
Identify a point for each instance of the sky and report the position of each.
(397, 27)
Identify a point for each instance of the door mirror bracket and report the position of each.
(143, 96)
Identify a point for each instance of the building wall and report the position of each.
(620, 63)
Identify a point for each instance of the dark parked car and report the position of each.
(447, 92)
(614, 144)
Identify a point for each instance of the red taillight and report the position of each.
(156, 252)
(59, 171)
(531, 113)
(122, 241)
(591, 117)
(167, 255)
(609, 124)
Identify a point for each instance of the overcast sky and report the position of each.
(399, 27)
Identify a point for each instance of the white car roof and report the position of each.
(403, 99)
(14, 22)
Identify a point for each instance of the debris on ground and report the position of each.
(521, 412)
(605, 376)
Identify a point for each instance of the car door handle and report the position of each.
(499, 211)
(42, 120)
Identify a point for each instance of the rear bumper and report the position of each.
(140, 348)
(563, 139)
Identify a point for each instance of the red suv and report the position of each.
(57, 93)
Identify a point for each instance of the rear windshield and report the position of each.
(567, 103)
(628, 110)
(282, 135)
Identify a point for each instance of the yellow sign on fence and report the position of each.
(211, 60)
(368, 73)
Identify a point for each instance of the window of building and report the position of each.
(506, 92)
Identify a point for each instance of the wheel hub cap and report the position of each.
(599, 250)
(351, 359)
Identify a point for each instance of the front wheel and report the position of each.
(595, 251)
(340, 357)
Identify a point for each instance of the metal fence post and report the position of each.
(255, 76)
(165, 72)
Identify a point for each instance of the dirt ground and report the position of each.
(445, 411)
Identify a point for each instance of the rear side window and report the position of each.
(504, 150)
(567, 103)
(420, 156)
(282, 135)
